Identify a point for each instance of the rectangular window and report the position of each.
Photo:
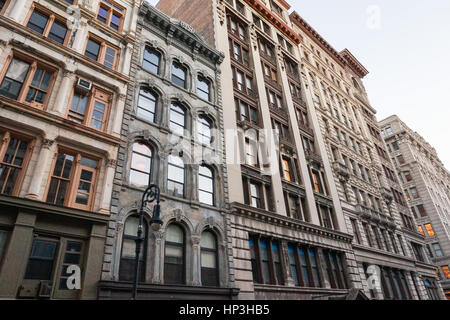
(42, 260)
(29, 81)
(90, 109)
(111, 14)
(179, 75)
(73, 181)
(102, 52)
(48, 24)
(430, 230)
(356, 231)
(203, 88)
(255, 196)
(437, 249)
(422, 211)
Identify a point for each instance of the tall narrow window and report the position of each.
(141, 164)
(286, 170)
(430, 230)
(174, 261)
(12, 164)
(304, 268)
(177, 119)
(265, 263)
(152, 60)
(293, 264)
(314, 267)
(255, 196)
(210, 274)
(146, 108)
(41, 261)
(203, 88)
(179, 75)
(128, 255)
(277, 263)
(176, 175)
(206, 185)
(204, 133)
(255, 270)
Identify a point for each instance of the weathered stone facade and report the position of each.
(175, 43)
(427, 184)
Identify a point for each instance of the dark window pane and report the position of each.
(151, 61)
(14, 78)
(58, 32)
(92, 50)
(40, 264)
(37, 22)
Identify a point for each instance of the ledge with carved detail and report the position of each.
(283, 221)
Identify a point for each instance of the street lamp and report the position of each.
(151, 194)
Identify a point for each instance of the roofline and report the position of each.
(344, 58)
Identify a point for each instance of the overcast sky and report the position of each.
(405, 45)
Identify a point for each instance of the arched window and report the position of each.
(141, 165)
(210, 272)
(174, 264)
(206, 185)
(128, 255)
(179, 74)
(146, 108)
(152, 60)
(204, 88)
(176, 175)
(177, 119)
(204, 133)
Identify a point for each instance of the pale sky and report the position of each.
(406, 52)
(407, 57)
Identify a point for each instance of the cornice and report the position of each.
(343, 58)
(181, 31)
(259, 7)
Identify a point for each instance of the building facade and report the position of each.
(426, 184)
(63, 82)
(172, 137)
(317, 209)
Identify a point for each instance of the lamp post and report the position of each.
(151, 194)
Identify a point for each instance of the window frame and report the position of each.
(103, 45)
(183, 67)
(203, 79)
(216, 256)
(26, 84)
(52, 17)
(213, 184)
(156, 52)
(5, 6)
(175, 244)
(151, 157)
(74, 179)
(155, 95)
(95, 94)
(112, 8)
(4, 143)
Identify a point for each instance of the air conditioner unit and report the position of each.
(45, 289)
(83, 85)
(29, 290)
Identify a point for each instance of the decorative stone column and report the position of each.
(108, 186)
(64, 91)
(17, 10)
(126, 58)
(165, 113)
(45, 155)
(158, 258)
(163, 158)
(287, 265)
(118, 114)
(80, 36)
(194, 185)
(196, 263)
